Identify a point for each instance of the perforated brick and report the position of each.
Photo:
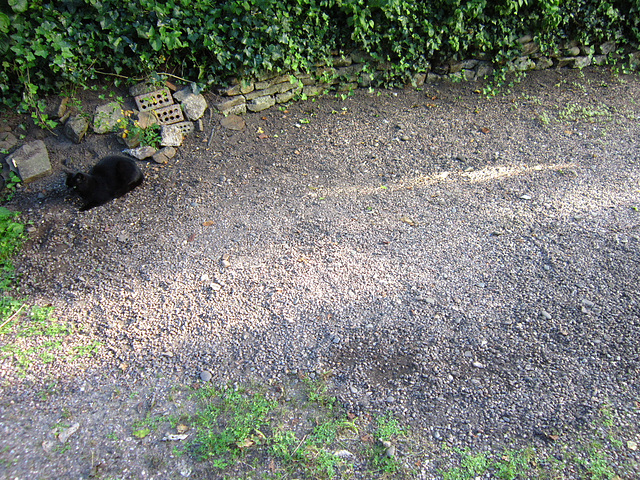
(169, 115)
(154, 100)
(185, 127)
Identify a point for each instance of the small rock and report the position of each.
(205, 376)
(48, 445)
(76, 128)
(141, 89)
(7, 140)
(588, 303)
(141, 152)
(233, 122)
(391, 451)
(525, 197)
(225, 263)
(343, 454)
(57, 108)
(390, 399)
(478, 365)
(405, 138)
(353, 389)
(631, 445)
(164, 155)
(172, 437)
(147, 119)
(122, 237)
(386, 443)
(216, 286)
(65, 434)
(545, 314)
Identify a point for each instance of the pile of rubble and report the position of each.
(170, 112)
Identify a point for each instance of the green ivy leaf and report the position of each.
(156, 43)
(18, 6)
(4, 23)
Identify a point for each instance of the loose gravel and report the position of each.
(471, 265)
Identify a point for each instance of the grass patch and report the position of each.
(34, 336)
(273, 432)
(11, 239)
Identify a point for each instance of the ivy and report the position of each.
(45, 43)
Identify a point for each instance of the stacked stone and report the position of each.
(157, 106)
(346, 72)
(568, 55)
(343, 74)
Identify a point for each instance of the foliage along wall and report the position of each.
(45, 44)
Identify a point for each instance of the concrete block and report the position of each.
(30, 161)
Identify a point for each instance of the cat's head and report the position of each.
(76, 179)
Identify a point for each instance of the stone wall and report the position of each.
(348, 72)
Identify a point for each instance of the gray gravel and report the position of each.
(471, 265)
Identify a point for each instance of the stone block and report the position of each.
(305, 78)
(106, 117)
(237, 110)
(272, 81)
(194, 106)
(172, 136)
(529, 48)
(418, 79)
(273, 89)
(76, 128)
(608, 47)
(360, 57)
(147, 119)
(57, 108)
(226, 106)
(581, 62)
(261, 103)
(7, 140)
(543, 63)
(341, 60)
(141, 152)
(286, 96)
(483, 69)
(180, 95)
(565, 62)
(349, 74)
(346, 87)
(313, 90)
(164, 155)
(30, 161)
(141, 89)
(522, 64)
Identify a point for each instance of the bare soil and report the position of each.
(471, 265)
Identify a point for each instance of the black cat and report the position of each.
(110, 178)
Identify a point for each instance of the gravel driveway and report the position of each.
(471, 265)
